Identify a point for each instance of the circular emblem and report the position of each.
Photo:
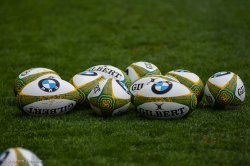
(48, 84)
(161, 87)
(181, 70)
(88, 73)
(222, 73)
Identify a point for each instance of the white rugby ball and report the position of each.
(109, 97)
(32, 74)
(109, 71)
(162, 99)
(84, 83)
(140, 69)
(225, 89)
(48, 96)
(18, 157)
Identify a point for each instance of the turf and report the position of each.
(69, 36)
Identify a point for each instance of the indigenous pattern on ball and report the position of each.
(190, 80)
(224, 89)
(30, 75)
(109, 97)
(141, 69)
(109, 71)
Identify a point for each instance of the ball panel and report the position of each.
(47, 87)
(209, 97)
(119, 90)
(144, 71)
(186, 74)
(23, 100)
(81, 80)
(240, 90)
(121, 110)
(108, 71)
(132, 74)
(20, 83)
(146, 65)
(50, 107)
(33, 71)
(221, 79)
(163, 110)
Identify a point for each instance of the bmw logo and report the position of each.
(162, 87)
(181, 70)
(88, 73)
(222, 73)
(49, 85)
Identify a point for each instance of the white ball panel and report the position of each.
(121, 110)
(191, 76)
(163, 110)
(10, 159)
(132, 74)
(80, 80)
(30, 157)
(240, 89)
(221, 81)
(146, 65)
(33, 89)
(120, 91)
(176, 90)
(209, 97)
(97, 90)
(55, 106)
(33, 71)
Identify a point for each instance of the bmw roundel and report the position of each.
(222, 73)
(161, 87)
(48, 84)
(88, 73)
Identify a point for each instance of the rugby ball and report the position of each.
(109, 71)
(32, 74)
(139, 69)
(19, 156)
(190, 80)
(163, 99)
(109, 97)
(48, 96)
(146, 80)
(85, 81)
(225, 89)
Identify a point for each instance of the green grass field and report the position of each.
(70, 36)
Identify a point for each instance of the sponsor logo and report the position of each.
(49, 85)
(159, 106)
(26, 72)
(148, 65)
(88, 73)
(161, 87)
(163, 114)
(59, 110)
(123, 86)
(241, 90)
(152, 80)
(182, 71)
(220, 74)
(3, 157)
(137, 87)
(105, 69)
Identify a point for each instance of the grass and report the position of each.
(70, 36)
